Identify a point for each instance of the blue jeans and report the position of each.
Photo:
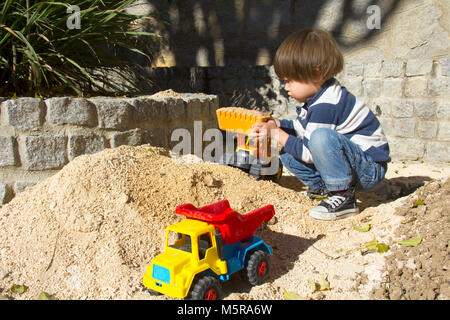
(338, 163)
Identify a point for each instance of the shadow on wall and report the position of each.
(248, 32)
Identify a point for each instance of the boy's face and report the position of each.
(302, 90)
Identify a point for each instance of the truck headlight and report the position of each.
(161, 273)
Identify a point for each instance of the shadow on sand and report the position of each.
(286, 250)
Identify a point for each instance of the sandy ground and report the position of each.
(332, 253)
(90, 231)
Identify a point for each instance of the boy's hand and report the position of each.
(269, 129)
(263, 129)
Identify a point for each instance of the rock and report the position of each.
(393, 68)
(16, 109)
(7, 154)
(130, 138)
(44, 152)
(76, 111)
(85, 144)
(113, 113)
(418, 67)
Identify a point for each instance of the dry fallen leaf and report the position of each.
(293, 296)
(410, 242)
(19, 289)
(363, 228)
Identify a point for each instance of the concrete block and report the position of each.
(159, 72)
(372, 87)
(426, 129)
(214, 72)
(85, 144)
(179, 84)
(113, 113)
(44, 152)
(156, 137)
(439, 87)
(7, 151)
(416, 87)
(129, 138)
(393, 68)
(387, 125)
(15, 111)
(443, 110)
(208, 104)
(418, 67)
(354, 69)
(381, 107)
(425, 109)
(406, 149)
(401, 108)
(3, 193)
(404, 127)
(147, 109)
(393, 87)
(76, 111)
(230, 72)
(213, 106)
(21, 186)
(444, 131)
(194, 107)
(354, 85)
(175, 108)
(372, 69)
(438, 151)
(445, 66)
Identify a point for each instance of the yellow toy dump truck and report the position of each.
(203, 250)
(252, 155)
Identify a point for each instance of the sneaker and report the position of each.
(337, 206)
(321, 192)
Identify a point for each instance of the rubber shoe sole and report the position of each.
(321, 213)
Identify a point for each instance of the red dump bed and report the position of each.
(233, 225)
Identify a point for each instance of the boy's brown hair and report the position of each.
(308, 53)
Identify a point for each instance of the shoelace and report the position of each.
(335, 201)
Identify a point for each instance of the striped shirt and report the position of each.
(335, 108)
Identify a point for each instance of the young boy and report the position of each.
(336, 144)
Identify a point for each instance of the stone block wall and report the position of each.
(247, 86)
(38, 137)
(411, 99)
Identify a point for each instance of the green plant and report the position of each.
(43, 51)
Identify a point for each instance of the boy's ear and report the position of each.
(318, 77)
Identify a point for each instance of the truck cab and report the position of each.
(190, 248)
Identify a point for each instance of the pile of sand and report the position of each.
(89, 231)
(169, 93)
